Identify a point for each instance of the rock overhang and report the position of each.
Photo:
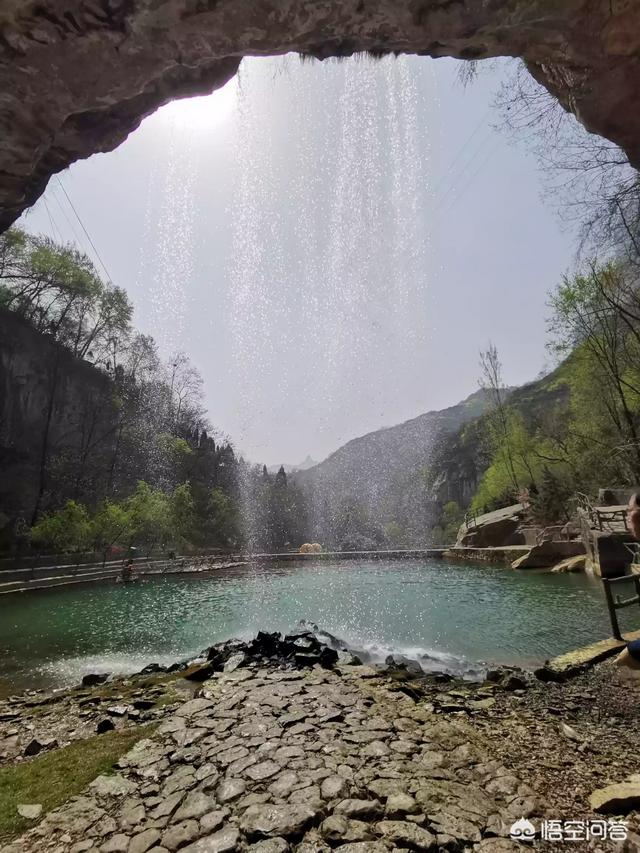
(79, 75)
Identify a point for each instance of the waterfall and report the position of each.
(331, 196)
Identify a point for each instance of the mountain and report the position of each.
(302, 466)
(390, 488)
(380, 479)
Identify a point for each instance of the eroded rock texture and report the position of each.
(77, 76)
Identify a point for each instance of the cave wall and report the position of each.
(77, 76)
(34, 373)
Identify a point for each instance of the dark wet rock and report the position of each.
(143, 704)
(152, 669)
(94, 678)
(37, 745)
(105, 725)
(201, 672)
(328, 657)
(511, 682)
(265, 645)
(404, 664)
(306, 659)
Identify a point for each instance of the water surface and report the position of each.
(460, 615)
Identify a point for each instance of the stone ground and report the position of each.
(272, 759)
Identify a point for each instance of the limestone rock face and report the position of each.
(77, 76)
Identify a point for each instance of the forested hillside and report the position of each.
(375, 490)
(102, 443)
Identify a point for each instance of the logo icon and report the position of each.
(523, 830)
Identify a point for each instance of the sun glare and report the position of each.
(203, 112)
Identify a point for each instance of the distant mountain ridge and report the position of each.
(303, 466)
(406, 443)
(378, 475)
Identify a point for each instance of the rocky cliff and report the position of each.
(53, 408)
(78, 76)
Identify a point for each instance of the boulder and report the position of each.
(269, 821)
(30, 811)
(571, 564)
(618, 799)
(492, 529)
(94, 678)
(548, 554)
(38, 745)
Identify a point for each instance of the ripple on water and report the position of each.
(449, 617)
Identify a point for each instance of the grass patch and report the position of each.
(51, 779)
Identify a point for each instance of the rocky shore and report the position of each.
(285, 744)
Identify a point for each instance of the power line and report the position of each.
(461, 150)
(474, 175)
(97, 253)
(64, 213)
(55, 231)
(456, 178)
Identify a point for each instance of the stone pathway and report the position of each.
(279, 760)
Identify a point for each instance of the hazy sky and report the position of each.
(331, 243)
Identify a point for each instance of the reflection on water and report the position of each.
(464, 613)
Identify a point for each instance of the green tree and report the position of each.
(550, 502)
(597, 315)
(150, 517)
(183, 513)
(111, 525)
(66, 529)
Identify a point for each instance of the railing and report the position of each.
(470, 520)
(615, 602)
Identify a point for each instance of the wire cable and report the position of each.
(461, 150)
(93, 246)
(55, 231)
(64, 213)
